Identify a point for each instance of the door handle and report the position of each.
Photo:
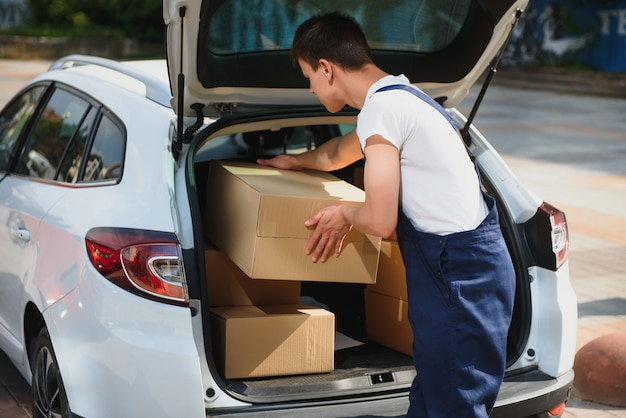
(18, 232)
(22, 234)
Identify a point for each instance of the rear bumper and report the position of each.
(532, 393)
(520, 396)
(393, 406)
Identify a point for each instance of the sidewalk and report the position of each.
(565, 81)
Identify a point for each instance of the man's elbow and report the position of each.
(387, 233)
(385, 228)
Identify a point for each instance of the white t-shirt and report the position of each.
(440, 191)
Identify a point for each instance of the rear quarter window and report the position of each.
(106, 155)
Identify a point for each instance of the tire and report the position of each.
(48, 393)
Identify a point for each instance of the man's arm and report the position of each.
(337, 153)
(378, 216)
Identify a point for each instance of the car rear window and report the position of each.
(261, 25)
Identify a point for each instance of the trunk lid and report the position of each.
(236, 53)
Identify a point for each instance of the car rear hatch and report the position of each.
(237, 52)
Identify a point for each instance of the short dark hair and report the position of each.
(333, 36)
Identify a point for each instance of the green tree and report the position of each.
(138, 19)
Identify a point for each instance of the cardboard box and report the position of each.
(273, 340)
(227, 285)
(391, 277)
(387, 323)
(256, 216)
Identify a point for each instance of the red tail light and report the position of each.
(146, 263)
(559, 234)
(548, 237)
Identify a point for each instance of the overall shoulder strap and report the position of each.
(422, 96)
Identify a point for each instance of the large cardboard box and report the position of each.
(273, 340)
(256, 216)
(391, 277)
(387, 323)
(227, 285)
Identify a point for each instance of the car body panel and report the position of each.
(20, 213)
(141, 351)
(24, 204)
(554, 298)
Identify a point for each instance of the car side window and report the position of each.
(69, 171)
(13, 122)
(107, 152)
(59, 122)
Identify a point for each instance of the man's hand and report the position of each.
(330, 231)
(283, 161)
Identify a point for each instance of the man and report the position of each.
(419, 181)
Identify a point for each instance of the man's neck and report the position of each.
(359, 82)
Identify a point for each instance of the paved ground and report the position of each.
(556, 161)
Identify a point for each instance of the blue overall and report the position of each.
(460, 289)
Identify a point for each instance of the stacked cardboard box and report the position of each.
(227, 285)
(256, 216)
(260, 329)
(273, 340)
(386, 307)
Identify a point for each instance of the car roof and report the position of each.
(233, 52)
(147, 78)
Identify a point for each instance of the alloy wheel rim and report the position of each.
(47, 384)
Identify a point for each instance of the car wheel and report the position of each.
(48, 392)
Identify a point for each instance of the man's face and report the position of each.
(321, 84)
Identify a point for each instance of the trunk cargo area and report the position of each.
(370, 340)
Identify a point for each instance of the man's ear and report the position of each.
(327, 68)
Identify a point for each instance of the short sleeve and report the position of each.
(381, 116)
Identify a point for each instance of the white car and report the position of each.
(105, 300)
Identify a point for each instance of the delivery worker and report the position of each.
(420, 182)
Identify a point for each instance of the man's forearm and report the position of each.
(333, 154)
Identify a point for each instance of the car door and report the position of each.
(40, 144)
(15, 246)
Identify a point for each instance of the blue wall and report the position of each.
(592, 33)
